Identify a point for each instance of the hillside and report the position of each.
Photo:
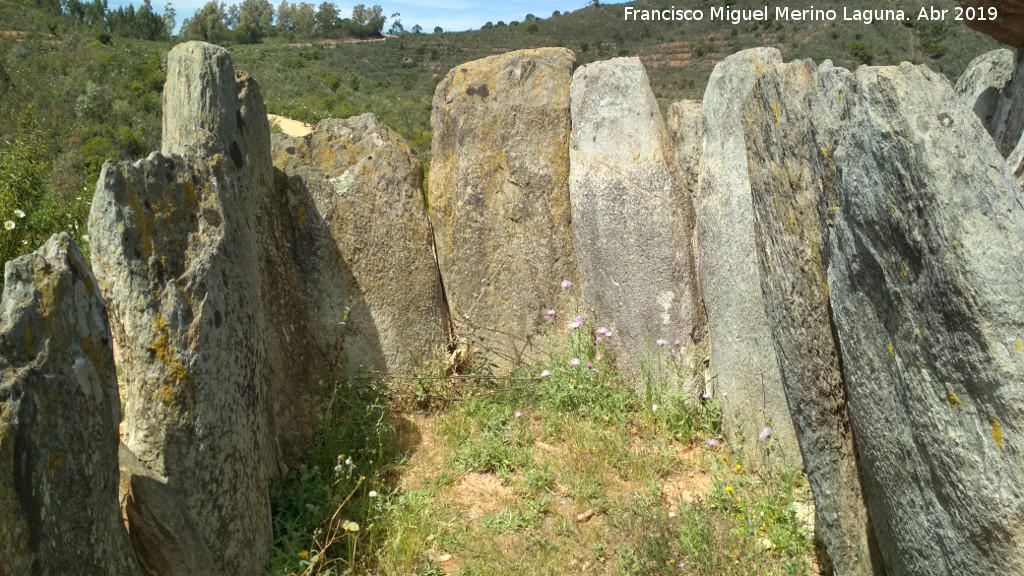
(70, 98)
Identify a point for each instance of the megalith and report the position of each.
(499, 194)
(632, 220)
(926, 283)
(59, 412)
(175, 249)
(365, 246)
(790, 212)
(743, 362)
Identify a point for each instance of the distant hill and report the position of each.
(396, 78)
(71, 97)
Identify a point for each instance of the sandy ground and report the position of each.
(293, 128)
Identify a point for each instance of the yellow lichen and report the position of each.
(954, 401)
(917, 333)
(891, 353)
(997, 432)
(166, 394)
(1020, 345)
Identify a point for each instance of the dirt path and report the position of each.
(293, 128)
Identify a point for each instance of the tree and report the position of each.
(170, 17)
(396, 25)
(208, 23)
(254, 19)
(285, 13)
(363, 15)
(326, 21)
(438, 30)
(304, 19)
(416, 29)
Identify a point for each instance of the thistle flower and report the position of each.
(602, 330)
(597, 340)
(566, 284)
(661, 342)
(574, 362)
(517, 414)
(765, 433)
(545, 373)
(574, 325)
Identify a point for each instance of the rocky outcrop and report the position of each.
(925, 276)
(499, 193)
(1008, 24)
(365, 244)
(787, 180)
(632, 220)
(175, 249)
(739, 339)
(685, 121)
(982, 83)
(59, 413)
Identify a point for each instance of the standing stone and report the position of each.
(787, 184)
(685, 121)
(926, 281)
(369, 267)
(632, 220)
(166, 540)
(1008, 118)
(499, 193)
(59, 412)
(982, 83)
(1008, 25)
(739, 338)
(175, 248)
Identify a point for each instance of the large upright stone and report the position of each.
(368, 262)
(175, 248)
(926, 281)
(499, 193)
(787, 184)
(59, 412)
(632, 220)
(743, 361)
(982, 83)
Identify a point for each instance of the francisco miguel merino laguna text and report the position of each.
(736, 16)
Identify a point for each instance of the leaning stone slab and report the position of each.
(926, 282)
(368, 265)
(743, 361)
(175, 249)
(787, 184)
(632, 219)
(981, 85)
(59, 412)
(499, 193)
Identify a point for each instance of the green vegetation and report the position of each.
(562, 467)
(80, 84)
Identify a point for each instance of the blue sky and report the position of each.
(452, 15)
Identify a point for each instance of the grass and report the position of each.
(575, 471)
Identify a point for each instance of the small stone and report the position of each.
(584, 516)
